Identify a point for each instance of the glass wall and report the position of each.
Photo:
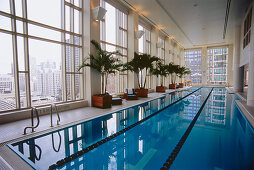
(41, 47)
(144, 46)
(114, 38)
(217, 65)
(193, 61)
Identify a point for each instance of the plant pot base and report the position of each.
(142, 92)
(181, 85)
(172, 86)
(160, 89)
(102, 101)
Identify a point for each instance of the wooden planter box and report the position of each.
(102, 100)
(141, 92)
(172, 86)
(181, 85)
(160, 88)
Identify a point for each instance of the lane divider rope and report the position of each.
(178, 147)
(91, 147)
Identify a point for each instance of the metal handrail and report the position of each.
(60, 141)
(39, 148)
(51, 115)
(32, 120)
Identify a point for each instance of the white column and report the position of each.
(230, 66)
(250, 94)
(204, 66)
(154, 39)
(132, 47)
(91, 32)
(238, 72)
(167, 58)
(171, 59)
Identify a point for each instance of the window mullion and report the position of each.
(26, 55)
(63, 49)
(72, 84)
(82, 78)
(15, 54)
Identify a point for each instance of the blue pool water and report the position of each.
(220, 139)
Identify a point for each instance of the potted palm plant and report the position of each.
(105, 63)
(141, 64)
(181, 73)
(172, 70)
(160, 70)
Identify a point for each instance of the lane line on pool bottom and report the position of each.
(91, 147)
(178, 147)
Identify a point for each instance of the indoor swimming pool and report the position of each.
(145, 135)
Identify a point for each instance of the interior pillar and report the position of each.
(238, 72)
(132, 47)
(154, 39)
(91, 32)
(250, 94)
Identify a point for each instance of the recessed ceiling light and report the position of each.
(195, 5)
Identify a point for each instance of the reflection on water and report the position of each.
(221, 138)
(221, 135)
(47, 149)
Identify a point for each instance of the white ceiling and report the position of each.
(194, 22)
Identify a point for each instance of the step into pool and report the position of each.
(144, 136)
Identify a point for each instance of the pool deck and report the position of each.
(11, 132)
(248, 111)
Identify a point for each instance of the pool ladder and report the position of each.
(51, 115)
(33, 110)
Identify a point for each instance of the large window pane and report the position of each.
(114, 33)
(193, 61)
(76, 21)
(45, 11)
(46, 76)
(110, 24)
(67, 18)
(21, 58)
(44, 32)
(217, 65)
(18, 8)
(5, 23)
(5, 6)
(22, 89)
(19, 26)
(7, 86)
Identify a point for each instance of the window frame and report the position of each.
(121, 78)
(26, 37)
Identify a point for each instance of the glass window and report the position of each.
(144, 46)
(46, 58)
(247, 29)
(45, 11)
(217, 65)
(193, 61)
(45, 72)
(7, 85)
(5, 6)
(113, 37)
(161, 55)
